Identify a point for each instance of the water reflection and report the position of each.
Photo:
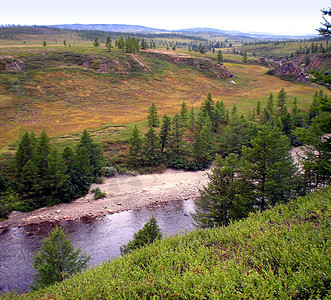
(100, 239)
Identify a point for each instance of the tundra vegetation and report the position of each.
(282, 246)
(281, 253)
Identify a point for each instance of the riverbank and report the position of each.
(124, 192)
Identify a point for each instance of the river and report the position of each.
(100, 238)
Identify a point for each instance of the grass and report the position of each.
(282, 253)
(62, 96)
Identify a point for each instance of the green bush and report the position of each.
(98, 194)
(110, 171)
(99, 180)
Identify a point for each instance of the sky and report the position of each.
(291, 17)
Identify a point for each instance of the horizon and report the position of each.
(297, 17)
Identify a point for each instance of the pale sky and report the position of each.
(279, 17)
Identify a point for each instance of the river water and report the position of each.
(101, 239)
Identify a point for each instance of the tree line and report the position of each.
(40, 175)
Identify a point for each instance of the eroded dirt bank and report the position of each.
(123, 193)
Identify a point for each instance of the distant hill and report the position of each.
(198, 30)
(109, 27)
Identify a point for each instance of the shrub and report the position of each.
(110, 171)
(98, 194)
(99, 180)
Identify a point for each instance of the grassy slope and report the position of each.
(283, 253)
(66, 98)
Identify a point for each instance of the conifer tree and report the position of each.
(29, 182)
(151, 148)
(42, 152)
(108, 43)
(237, 133)
(165, 132)
(281, 100)
(268, 114)
(317, 158)
(245, 57)
(227, 196)
(135, 147)
(176, 141)
(204, 147)
(96, 42)
(24, 153)
(191, 118)
(56, 173)
(220, 56)
(57, 260)
(271, 168)
(184, 114)
(153, 119)
(145, 236)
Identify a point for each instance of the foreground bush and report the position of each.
(282, 253)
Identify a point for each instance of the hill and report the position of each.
(109, 27)
(282, 253)
(66, 90)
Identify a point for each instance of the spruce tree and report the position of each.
(227, 196)
(153, 119)
(57, 260)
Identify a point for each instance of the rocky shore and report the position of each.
(124, 192)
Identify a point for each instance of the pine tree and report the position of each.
(153, 119)
(227, 196)
(271, 167)
(145, 236)
(56, 260)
